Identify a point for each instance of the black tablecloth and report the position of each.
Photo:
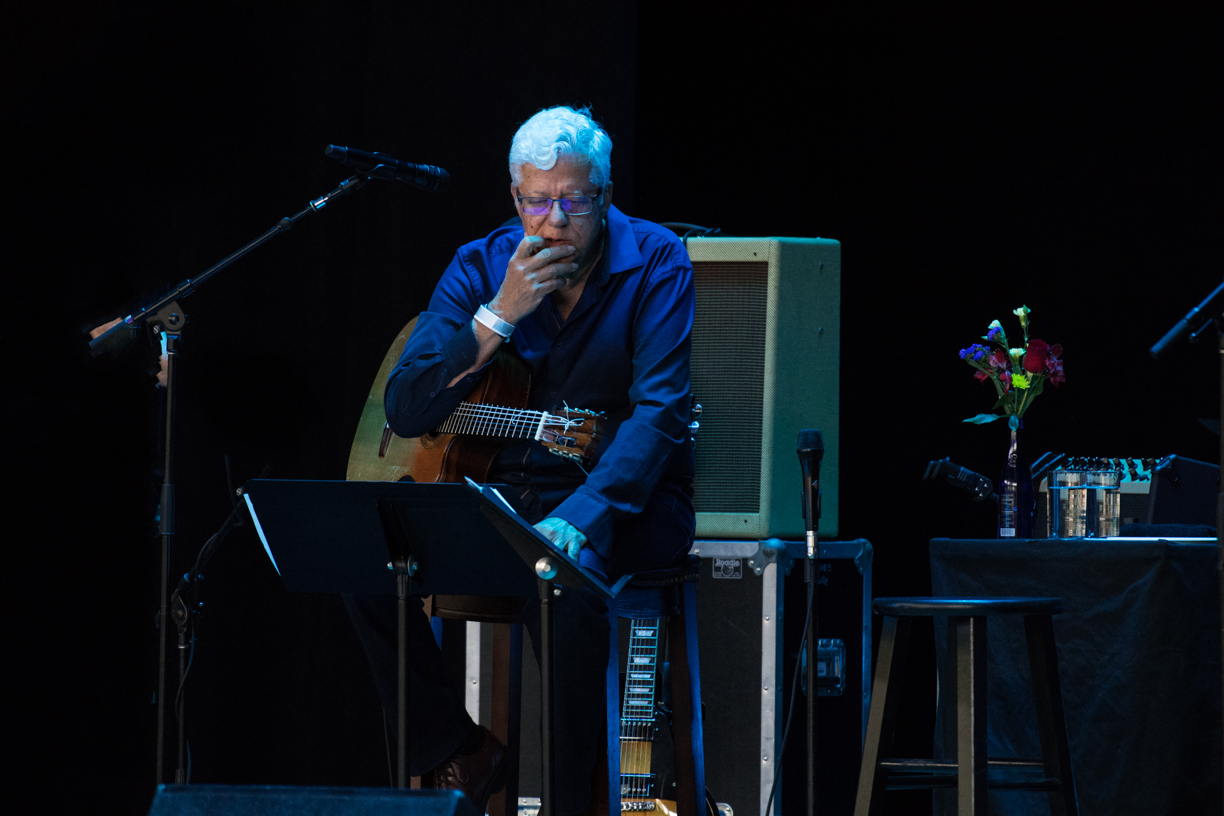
(1139, 653)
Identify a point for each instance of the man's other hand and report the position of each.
(563, 534)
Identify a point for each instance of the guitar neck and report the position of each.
(494, 420)
(637, 709)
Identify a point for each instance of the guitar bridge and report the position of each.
(627, 807)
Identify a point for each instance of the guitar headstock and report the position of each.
(575, 434)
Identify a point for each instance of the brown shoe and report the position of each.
(477, 775)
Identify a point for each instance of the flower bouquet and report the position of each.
(1018, 374)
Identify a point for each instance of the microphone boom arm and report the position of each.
(108, 339)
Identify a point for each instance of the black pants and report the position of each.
(659, 536)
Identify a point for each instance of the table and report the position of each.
(1139, 654)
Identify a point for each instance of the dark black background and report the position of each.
(969, 161)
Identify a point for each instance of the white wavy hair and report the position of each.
(562, 131)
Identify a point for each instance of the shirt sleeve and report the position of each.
(443, 344)
(632, 464)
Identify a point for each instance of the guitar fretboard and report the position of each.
(637, 708)
(495, 420)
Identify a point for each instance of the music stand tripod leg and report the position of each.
(401, 670)
(548, 787)
(404, 565)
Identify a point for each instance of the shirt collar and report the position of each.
(621, 251)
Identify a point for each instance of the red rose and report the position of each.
(1035, 356)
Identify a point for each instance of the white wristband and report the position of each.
(494, 323)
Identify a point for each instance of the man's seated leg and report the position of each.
(445, 747)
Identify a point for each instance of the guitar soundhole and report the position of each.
(429, 440)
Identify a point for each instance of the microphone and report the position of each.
(1195, 321)
(428, 177)
(811, 451)
(974, 483)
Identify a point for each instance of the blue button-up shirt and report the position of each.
(624, 350)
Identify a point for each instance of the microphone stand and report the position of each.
(811, 576)
(185, 608)
(811, 517)
(166, 315)
(1208, 313)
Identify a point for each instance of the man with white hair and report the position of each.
(600, 308)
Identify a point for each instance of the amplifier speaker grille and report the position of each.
(729, 368)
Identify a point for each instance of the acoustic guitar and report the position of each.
(467, 441)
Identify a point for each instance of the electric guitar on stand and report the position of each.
(639, 786)
(645, 772)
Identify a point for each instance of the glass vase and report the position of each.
(1016, 502)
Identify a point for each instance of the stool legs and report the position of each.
(967, 640)
(882, 716)
(1051, 720)
(686, 704)
(612, 703)
(505, 702)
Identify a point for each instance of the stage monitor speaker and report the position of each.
(766, 363)
(1183, 491)
(273, 800)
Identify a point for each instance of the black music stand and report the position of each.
(446, 539)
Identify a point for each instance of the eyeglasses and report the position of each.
(570, 205)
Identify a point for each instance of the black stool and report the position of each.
(968, 773)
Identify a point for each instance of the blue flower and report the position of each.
(977, 351)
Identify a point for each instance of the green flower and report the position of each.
(1022, 313)
(995, 334)
(1020, 380)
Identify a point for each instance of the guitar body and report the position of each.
(378, 455)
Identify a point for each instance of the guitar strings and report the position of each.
(491, 421)
(499, 414)
(496, 420)
(637, 720)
